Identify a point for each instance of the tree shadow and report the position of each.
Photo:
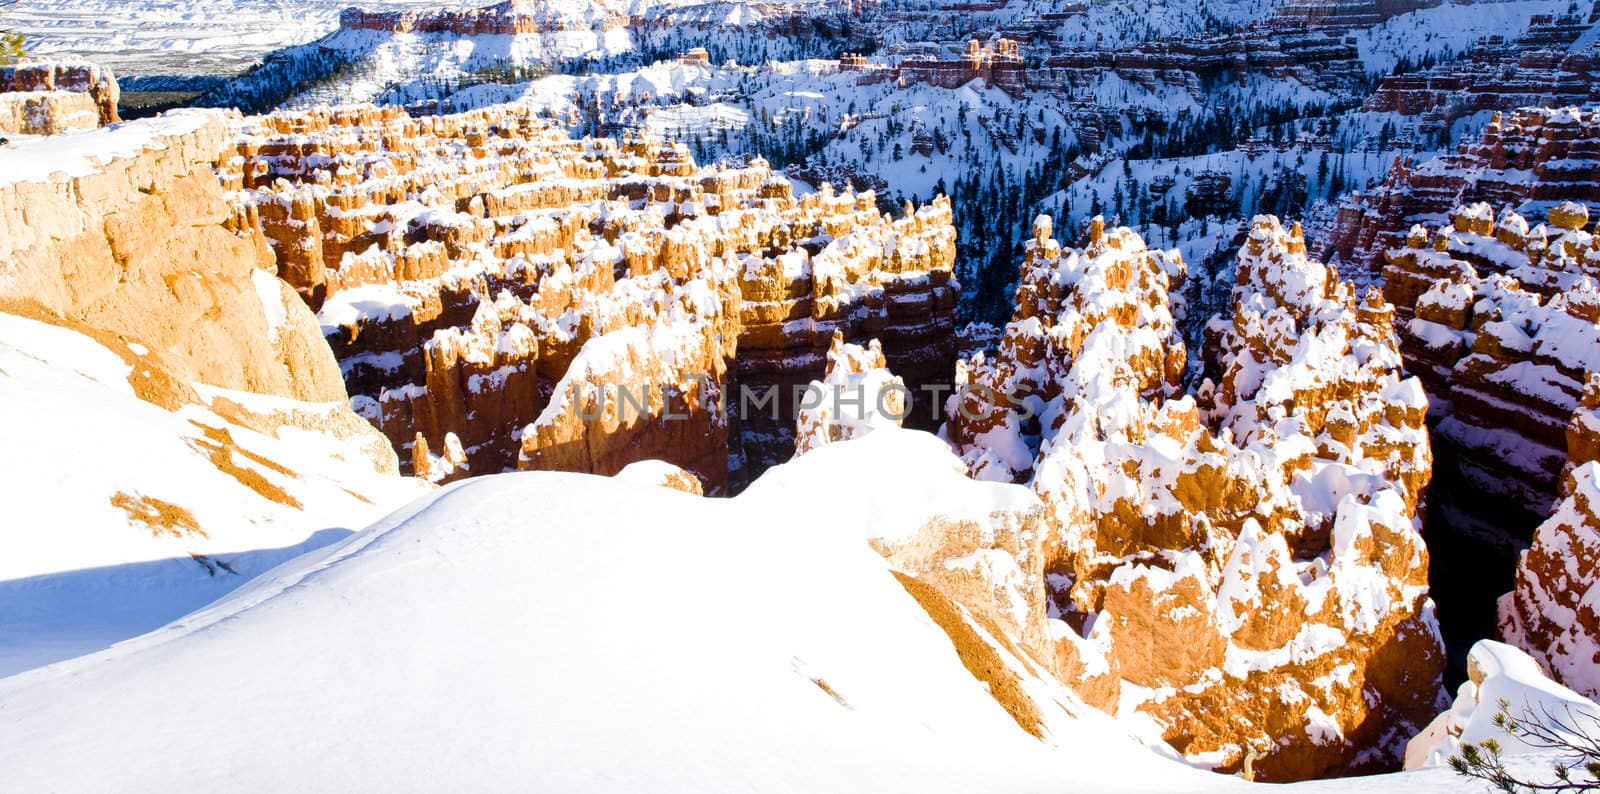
(58, 616)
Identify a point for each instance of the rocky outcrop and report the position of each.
(46, 98)
(567, 304)
(176, 399)
(132, 240)
(662, 474)
(858, 395)
(891, 280)
(1529, 160)
(1241, 565)
(1553, 612)
(1502, 323)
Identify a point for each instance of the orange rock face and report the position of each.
(1241, 565)
(140, 247)
(580, 305)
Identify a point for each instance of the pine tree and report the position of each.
(11, 42)
(1572, 737)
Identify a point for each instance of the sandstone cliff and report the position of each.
(1242, 565)
(45, 98)
(172, 396)
(125, 232)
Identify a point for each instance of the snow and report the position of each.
(271, 293)
(349, 308)
(83, 152)
(503, 612)
(166, 37)
(80, 572)
(1444, 31)
(1498, 672)
(489, 634)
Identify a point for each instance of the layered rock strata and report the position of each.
(1242, 565)
(1530, 160)
(1539, 67)
(1501, 320)
(580, 304)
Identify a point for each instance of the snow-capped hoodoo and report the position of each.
(486, 275)
(1241, 565)
(1501, 320)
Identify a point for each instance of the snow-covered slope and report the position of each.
(121, 515)
(570, 633)
(1499, 673)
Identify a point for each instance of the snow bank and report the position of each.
(1498, 672)
(490, 635)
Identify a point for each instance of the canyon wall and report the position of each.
(128, 236)
(1241, 566)
(1529, 160)
(1499, 319)
(580, 304)
(174, 398)
(1543, 66)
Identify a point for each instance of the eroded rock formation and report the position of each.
(45, 98)
(858, 395)
(1241, 565)
(1501, 320)
(581, 305)
(1528, 160)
